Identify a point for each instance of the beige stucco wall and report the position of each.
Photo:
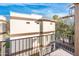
(48, 26)
(20, 26)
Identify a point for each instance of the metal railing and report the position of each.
(66, 46)
(29, 46)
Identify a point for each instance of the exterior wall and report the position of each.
(48, 26)
(21, 26)
(2, 27)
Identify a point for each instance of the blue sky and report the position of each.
(45, 9)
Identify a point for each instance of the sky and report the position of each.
(45, 9)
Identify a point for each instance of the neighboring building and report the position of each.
(2, 32)
(2, 27)
(24, 26)
(29, 35)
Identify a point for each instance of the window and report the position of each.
(27, 22)
(37, 22)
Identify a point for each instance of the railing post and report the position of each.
(7, 47)
(2, 48)
(54, 47)
(41, 37)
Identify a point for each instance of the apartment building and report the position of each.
(24, 26)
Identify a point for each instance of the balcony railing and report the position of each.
(32, 46)
(66, 46)
(27, 46)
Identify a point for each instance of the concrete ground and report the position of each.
(59, 52)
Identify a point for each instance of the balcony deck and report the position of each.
(59, 52)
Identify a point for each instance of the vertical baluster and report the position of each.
(39, 44)
(51, 42)
(0, 48)
(36, 45)
(26, 47)
(70, 49)
(29, 46)
(44, 44)
(22, 46)
(47, 44)
(33, 45)
(19, 47)
(15, 47)
(10, 48)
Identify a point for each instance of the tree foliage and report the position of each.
(62, 29)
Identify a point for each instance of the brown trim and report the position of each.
(46, 20)
(32, 37)
(23, 18)
(3, 21)
(2, 33)
(35, 54)
(67, 16)
(32, 33)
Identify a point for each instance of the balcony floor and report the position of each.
(60, 52)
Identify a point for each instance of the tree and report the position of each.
(63, 30)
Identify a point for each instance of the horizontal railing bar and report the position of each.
(26, 38)
(65, 45)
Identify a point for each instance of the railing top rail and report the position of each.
(26, 38)
(65, 44)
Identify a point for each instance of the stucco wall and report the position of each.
(21, 26)
(48, 26)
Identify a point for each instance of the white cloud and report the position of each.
(35, 11)
(7, 4)
(4, 4)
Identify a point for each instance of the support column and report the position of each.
(76, 29)
(41, 37)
